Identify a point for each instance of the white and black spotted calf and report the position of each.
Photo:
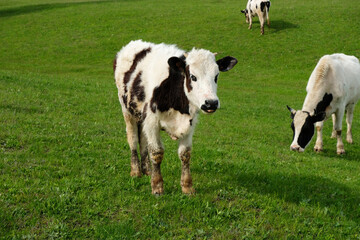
(258, 8)
(161, 87)
(333, 88)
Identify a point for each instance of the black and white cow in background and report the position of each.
(161, 87)
(258, 8)
(333, 87)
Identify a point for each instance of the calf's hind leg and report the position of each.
(338, 126)
(349, 118)
(145, 162)
(132, 137)
(262, 23)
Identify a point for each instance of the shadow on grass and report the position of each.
(279, 25)
(18, 109)
(41, 7)
(300, 189)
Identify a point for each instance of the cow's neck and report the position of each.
(312, 99)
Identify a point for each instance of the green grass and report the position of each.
(64, 159)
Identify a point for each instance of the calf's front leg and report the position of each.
(184, 152)
(250, 21)
(157, 182)
(319, 140)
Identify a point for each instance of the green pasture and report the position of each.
(64, 159)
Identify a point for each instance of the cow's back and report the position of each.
(139, 68)
(338, 74)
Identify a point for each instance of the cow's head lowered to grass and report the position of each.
(201, 72)
(303, 124)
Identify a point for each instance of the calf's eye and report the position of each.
(193, 78)
(216, 78)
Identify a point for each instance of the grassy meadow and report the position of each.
(64, 158)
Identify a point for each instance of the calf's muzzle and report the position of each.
(210, 106)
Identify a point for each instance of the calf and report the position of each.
(258, 8)
(161, 87)
(333, 87)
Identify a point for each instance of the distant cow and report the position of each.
(258, 8)
(333, 87)
(161, 87)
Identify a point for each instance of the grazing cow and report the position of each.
(258, 8)
(333, 87)
(161, 87)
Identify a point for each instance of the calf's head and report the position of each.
(246, 13)
(303, 124)
(201, 72)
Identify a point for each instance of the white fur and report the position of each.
(253, 9)
(338, 74)
(153, 68)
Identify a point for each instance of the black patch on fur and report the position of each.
(170, 94)
(307, 132)
(188, 79)
(323, 104)
(262, 6)
(251, 11)
(144, 112)
(256, 6)
(138, 90)
(182, 57)
(138, 57)
(124, 97)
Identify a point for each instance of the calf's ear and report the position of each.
(293, 111)
(318, 117)
(177, 64)
(243, 11)
(226, 63)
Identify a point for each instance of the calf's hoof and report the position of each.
(340, 151)
(188, 190)
(157, 185)
(318, 149)
(135, 173)
(349, 140)
(158, 191)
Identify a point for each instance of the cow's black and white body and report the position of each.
(333, 88)
(161, 87)
(258, 8)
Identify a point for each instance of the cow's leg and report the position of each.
(250, 21)
(338, 126)
(319, 139)
(145, 162)
(132, 137)
(267, 17)
(262, 23)
(156, 153)
(349, 118)
(333, 133)
(184, 152)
